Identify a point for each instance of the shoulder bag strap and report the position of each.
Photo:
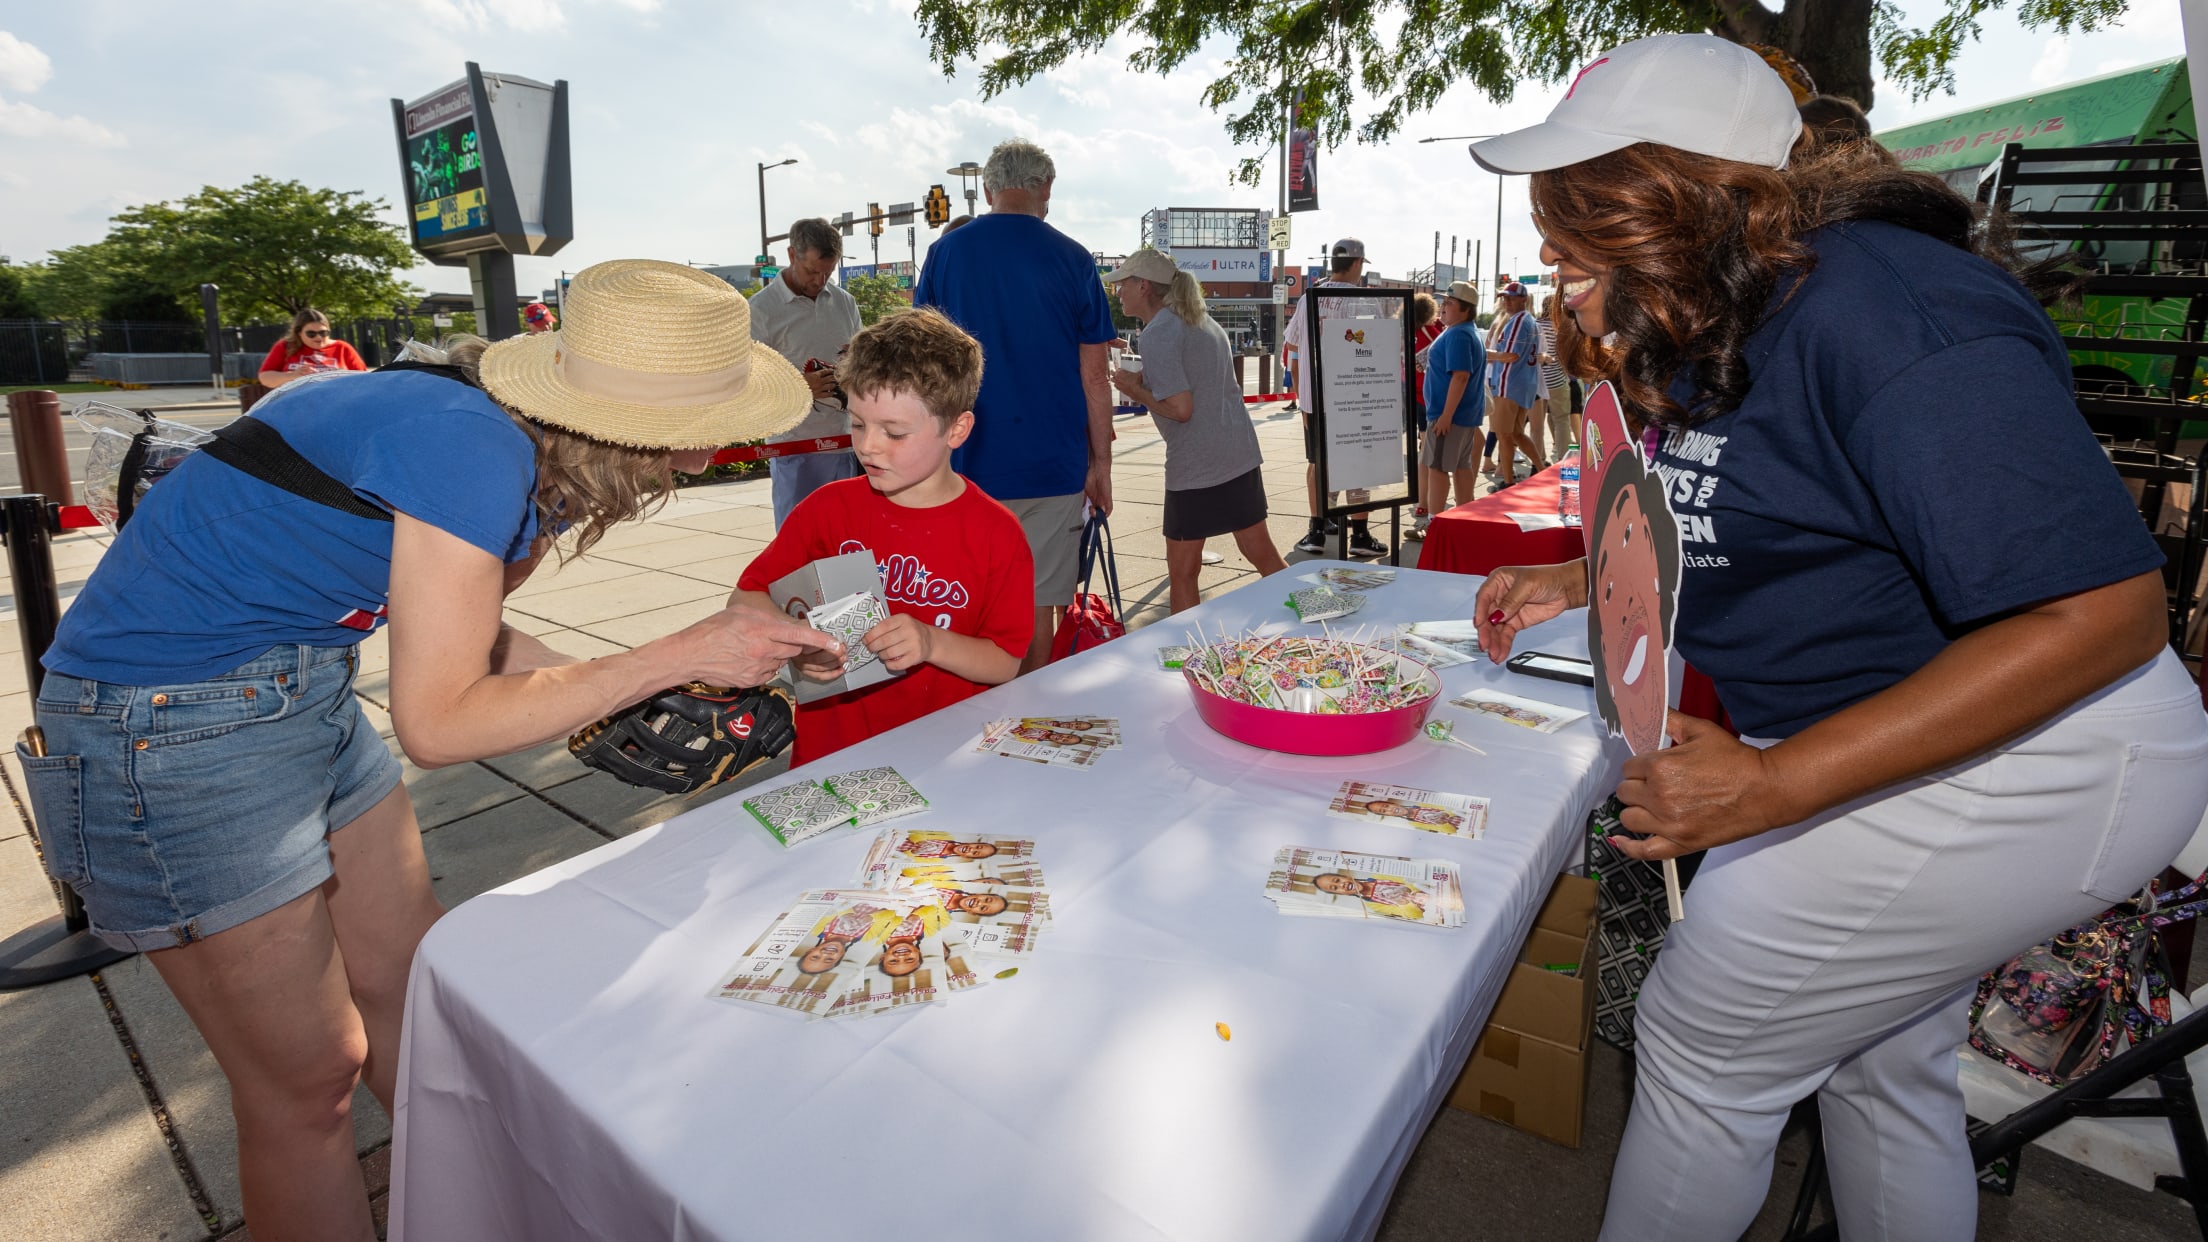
(255, 448)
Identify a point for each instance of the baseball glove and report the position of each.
(691, 737)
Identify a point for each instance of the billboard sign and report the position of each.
(1210, 264)
(446, 201)
(1303, 157)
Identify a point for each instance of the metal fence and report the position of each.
(140, 352)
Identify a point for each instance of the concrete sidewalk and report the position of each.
(115, 1121)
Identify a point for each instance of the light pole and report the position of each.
(1498, 190)
(765, 257)
(968, 172)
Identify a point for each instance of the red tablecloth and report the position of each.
(1480, 538)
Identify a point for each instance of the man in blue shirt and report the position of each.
(1043, 422)
(1456, 402)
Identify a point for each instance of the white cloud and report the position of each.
(23, 68)
(481, 15)
(2054, 62)
(22, 120)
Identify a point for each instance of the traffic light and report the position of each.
(938, 205)
(874, 219)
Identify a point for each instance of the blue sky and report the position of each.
(109, 103)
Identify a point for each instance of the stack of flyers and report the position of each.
(1439, 644)
(842, 953)
(1352, 579)
(1060, 741)
(876, 794)
(991, 887)
(1460, 815)
(1525, 713)
(1339, 884)
(794, 812)
(1321, 604)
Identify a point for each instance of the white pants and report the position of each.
(1839, 955)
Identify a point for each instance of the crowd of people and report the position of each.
(1942, 676)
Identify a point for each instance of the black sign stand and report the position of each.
(1400, 302)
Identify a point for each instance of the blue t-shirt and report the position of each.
(1458, 348)
(1908, 464)
(1514, 334)
(217, 567)
(1032, 297)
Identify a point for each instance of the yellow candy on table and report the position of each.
(1224, 1033)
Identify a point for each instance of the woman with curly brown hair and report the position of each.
(1924, 598)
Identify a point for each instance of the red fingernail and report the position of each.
(1495, 617)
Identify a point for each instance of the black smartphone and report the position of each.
(1553, 667)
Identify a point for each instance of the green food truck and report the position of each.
(2150, 103)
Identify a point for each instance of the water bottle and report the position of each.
(1567, 491)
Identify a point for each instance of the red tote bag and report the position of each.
(1092, 620)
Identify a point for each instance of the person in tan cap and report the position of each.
(204, 755)
(1213, 479)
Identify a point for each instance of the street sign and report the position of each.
(768, 272)
(1277, 233)
(843, 224)
(1534, 279)
(761, 261)
(900, 213)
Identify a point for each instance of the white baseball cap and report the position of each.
(1694, 92)
(1149, 263)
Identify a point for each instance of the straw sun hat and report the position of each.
(651, 355)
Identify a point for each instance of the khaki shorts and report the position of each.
(1053, 527)
(1455, 449)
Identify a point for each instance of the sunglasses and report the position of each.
(312, 334)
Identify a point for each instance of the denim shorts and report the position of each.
(179, 811)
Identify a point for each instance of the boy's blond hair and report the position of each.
(919, 352)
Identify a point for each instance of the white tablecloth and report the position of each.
(565, 1076)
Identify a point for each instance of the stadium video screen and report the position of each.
(444, 165)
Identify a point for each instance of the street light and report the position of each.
(1498, 190)
(967, 172)
(764, 256)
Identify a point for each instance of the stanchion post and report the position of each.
(60, 947)
(41, 458)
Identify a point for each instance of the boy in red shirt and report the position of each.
(954, 564)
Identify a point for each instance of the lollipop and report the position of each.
(1445, 731)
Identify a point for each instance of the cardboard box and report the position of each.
(806, 588)
(1529, 1067)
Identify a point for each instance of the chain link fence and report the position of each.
(58, 351)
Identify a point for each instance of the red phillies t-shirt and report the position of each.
(963, 566)
(335, 356)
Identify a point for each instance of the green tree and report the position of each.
(74, 282)
(16, 300)
(877, 296)
(1404, 54)
(274, 247)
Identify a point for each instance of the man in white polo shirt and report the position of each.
(807, 320)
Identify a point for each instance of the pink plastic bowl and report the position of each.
(1307, 733)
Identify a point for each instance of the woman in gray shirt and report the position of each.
(1212, 480)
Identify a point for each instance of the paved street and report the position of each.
(114, 1121)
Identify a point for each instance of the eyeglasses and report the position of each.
(322, 334)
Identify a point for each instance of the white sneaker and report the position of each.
(1419, 525)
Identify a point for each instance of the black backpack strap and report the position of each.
(126, 478)
(253, 447)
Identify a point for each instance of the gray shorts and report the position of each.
(1454, 450)
(1053, 526)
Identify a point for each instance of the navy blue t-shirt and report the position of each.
(1458, 348)
(1032, 297)
(1908, 463)
(217, 567)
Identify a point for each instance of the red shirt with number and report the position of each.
(963, 566)
(335, 356)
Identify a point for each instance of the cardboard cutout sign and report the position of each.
(1632, 576)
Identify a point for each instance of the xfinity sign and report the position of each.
(1244, 265)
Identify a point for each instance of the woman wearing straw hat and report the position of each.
(1963, 729)
(210, 786)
